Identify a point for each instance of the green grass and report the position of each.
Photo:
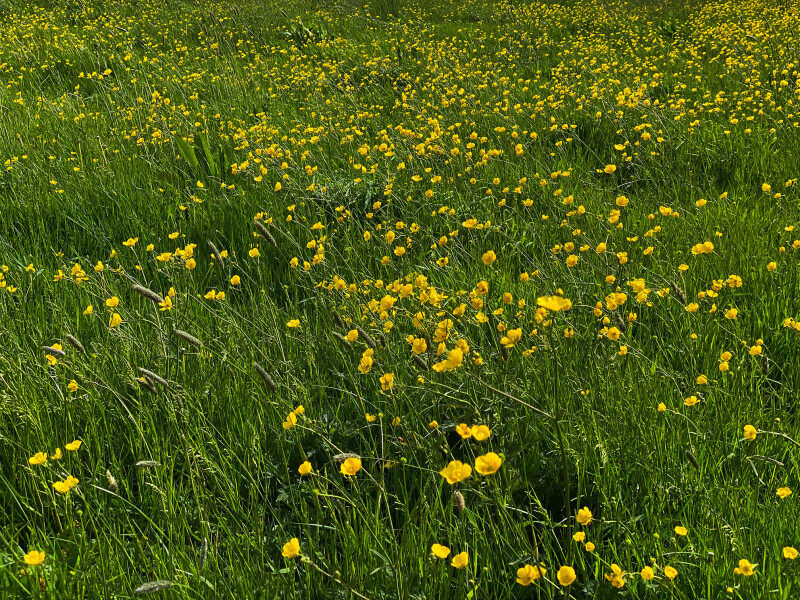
(171, 122)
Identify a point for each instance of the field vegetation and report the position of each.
(401, 299)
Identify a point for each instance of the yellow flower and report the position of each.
(704, 248)
(589, 547)
(702, 380)
(771, 266)
(784, 492)
(304, 469)
(647, 573)
(440, 551)
(566, 575)
(661, 407)
(236, 280)
(731, 313)
(387, 381)
(488, 464)
(691, 401)
(749, 433)
(65, 486)
(790, 553)
(73, 446)
(616, 577)
(456, 471)
(670, 572)
(680, 530)
(33, 558)
(746, 568)
(481, 432)
(511, 338)
(291, 421)
(130, 242)
(291, 549)
(584, 516)
(350, 466)
(88, 311)
(464, 431)
(38, 458)
(579, 536)
(609, 169)
(293, 323)
(554, 303)
(419, 345)
(529, 573)
(115, 320)
(166, 304)
(72, 386)
(112, 302)
(254, 253)
(190, 264)
(460, 560)
(57, 455)
(489, 257)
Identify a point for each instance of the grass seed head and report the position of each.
(188, 337)
(148, 293)
(75, 343)
(264, 233)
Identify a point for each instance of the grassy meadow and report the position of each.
(399, 299)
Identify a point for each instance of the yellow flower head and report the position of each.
(291, 549)
(456, 471)
(481, 432)
(440, 551)
(464, 431)
(488, 464)
(584, 516)
(387, 381)
(304, 469)
(38, 458)
(33, 558)
(529, 573)
(746, 568)
(554, 303)
(616, 577)
(460, 560)
(350, 466)
(566, 576)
